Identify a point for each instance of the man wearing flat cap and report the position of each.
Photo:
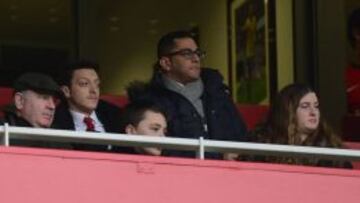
(34, 101)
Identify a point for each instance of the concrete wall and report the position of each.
(127, 54)
(284, 43)
(127, 48)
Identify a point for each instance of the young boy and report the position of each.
(147, 119)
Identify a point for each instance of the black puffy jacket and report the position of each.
(222, 117)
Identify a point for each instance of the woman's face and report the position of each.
(308, 114)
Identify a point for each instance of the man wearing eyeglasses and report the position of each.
(195, 99)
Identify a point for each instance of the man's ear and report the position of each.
(65, 89)
(19, 100)
(165, 63)
(130, 129)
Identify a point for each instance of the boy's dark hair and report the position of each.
(167, 42)
(134, 112)
(67, 74)
(352, 24)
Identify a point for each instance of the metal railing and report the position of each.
(199, 145)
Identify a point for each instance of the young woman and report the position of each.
(295, 119)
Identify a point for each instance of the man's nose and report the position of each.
(94, 88)
(195, 57)
(51, 103)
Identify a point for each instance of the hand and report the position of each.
(231, 156)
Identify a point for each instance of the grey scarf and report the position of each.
(191, 91)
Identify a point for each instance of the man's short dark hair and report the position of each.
(167, 42)
(135, 111)
(352, 24)
(67, 75)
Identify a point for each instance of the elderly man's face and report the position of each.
(37, 109)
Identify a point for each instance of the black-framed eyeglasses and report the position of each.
(188, 53)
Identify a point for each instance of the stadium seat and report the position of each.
(252, 114)
(118, 100)
(6, 94)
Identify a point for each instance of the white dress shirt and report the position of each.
(78, 119)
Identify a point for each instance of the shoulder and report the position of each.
(109, 114)
(11, 117)
(108, 108)
(62, 111)
(14, 120)
(213, 82)
(63, 118)
(210, 74)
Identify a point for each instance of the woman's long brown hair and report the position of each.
(281, 123)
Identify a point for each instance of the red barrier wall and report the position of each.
(38, 175)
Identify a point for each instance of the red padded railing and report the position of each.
(38, 175)
(252, 114)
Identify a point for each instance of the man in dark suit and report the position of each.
(82, 109)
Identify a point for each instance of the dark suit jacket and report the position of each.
(222, 117)
(108, 114)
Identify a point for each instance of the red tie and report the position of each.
(89, 122)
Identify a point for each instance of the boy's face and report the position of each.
(153, 124)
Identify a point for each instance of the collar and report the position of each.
(16, 120)
(172, 84)
(179, 87)
(78, 119)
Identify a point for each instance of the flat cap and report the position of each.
(37, 82)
